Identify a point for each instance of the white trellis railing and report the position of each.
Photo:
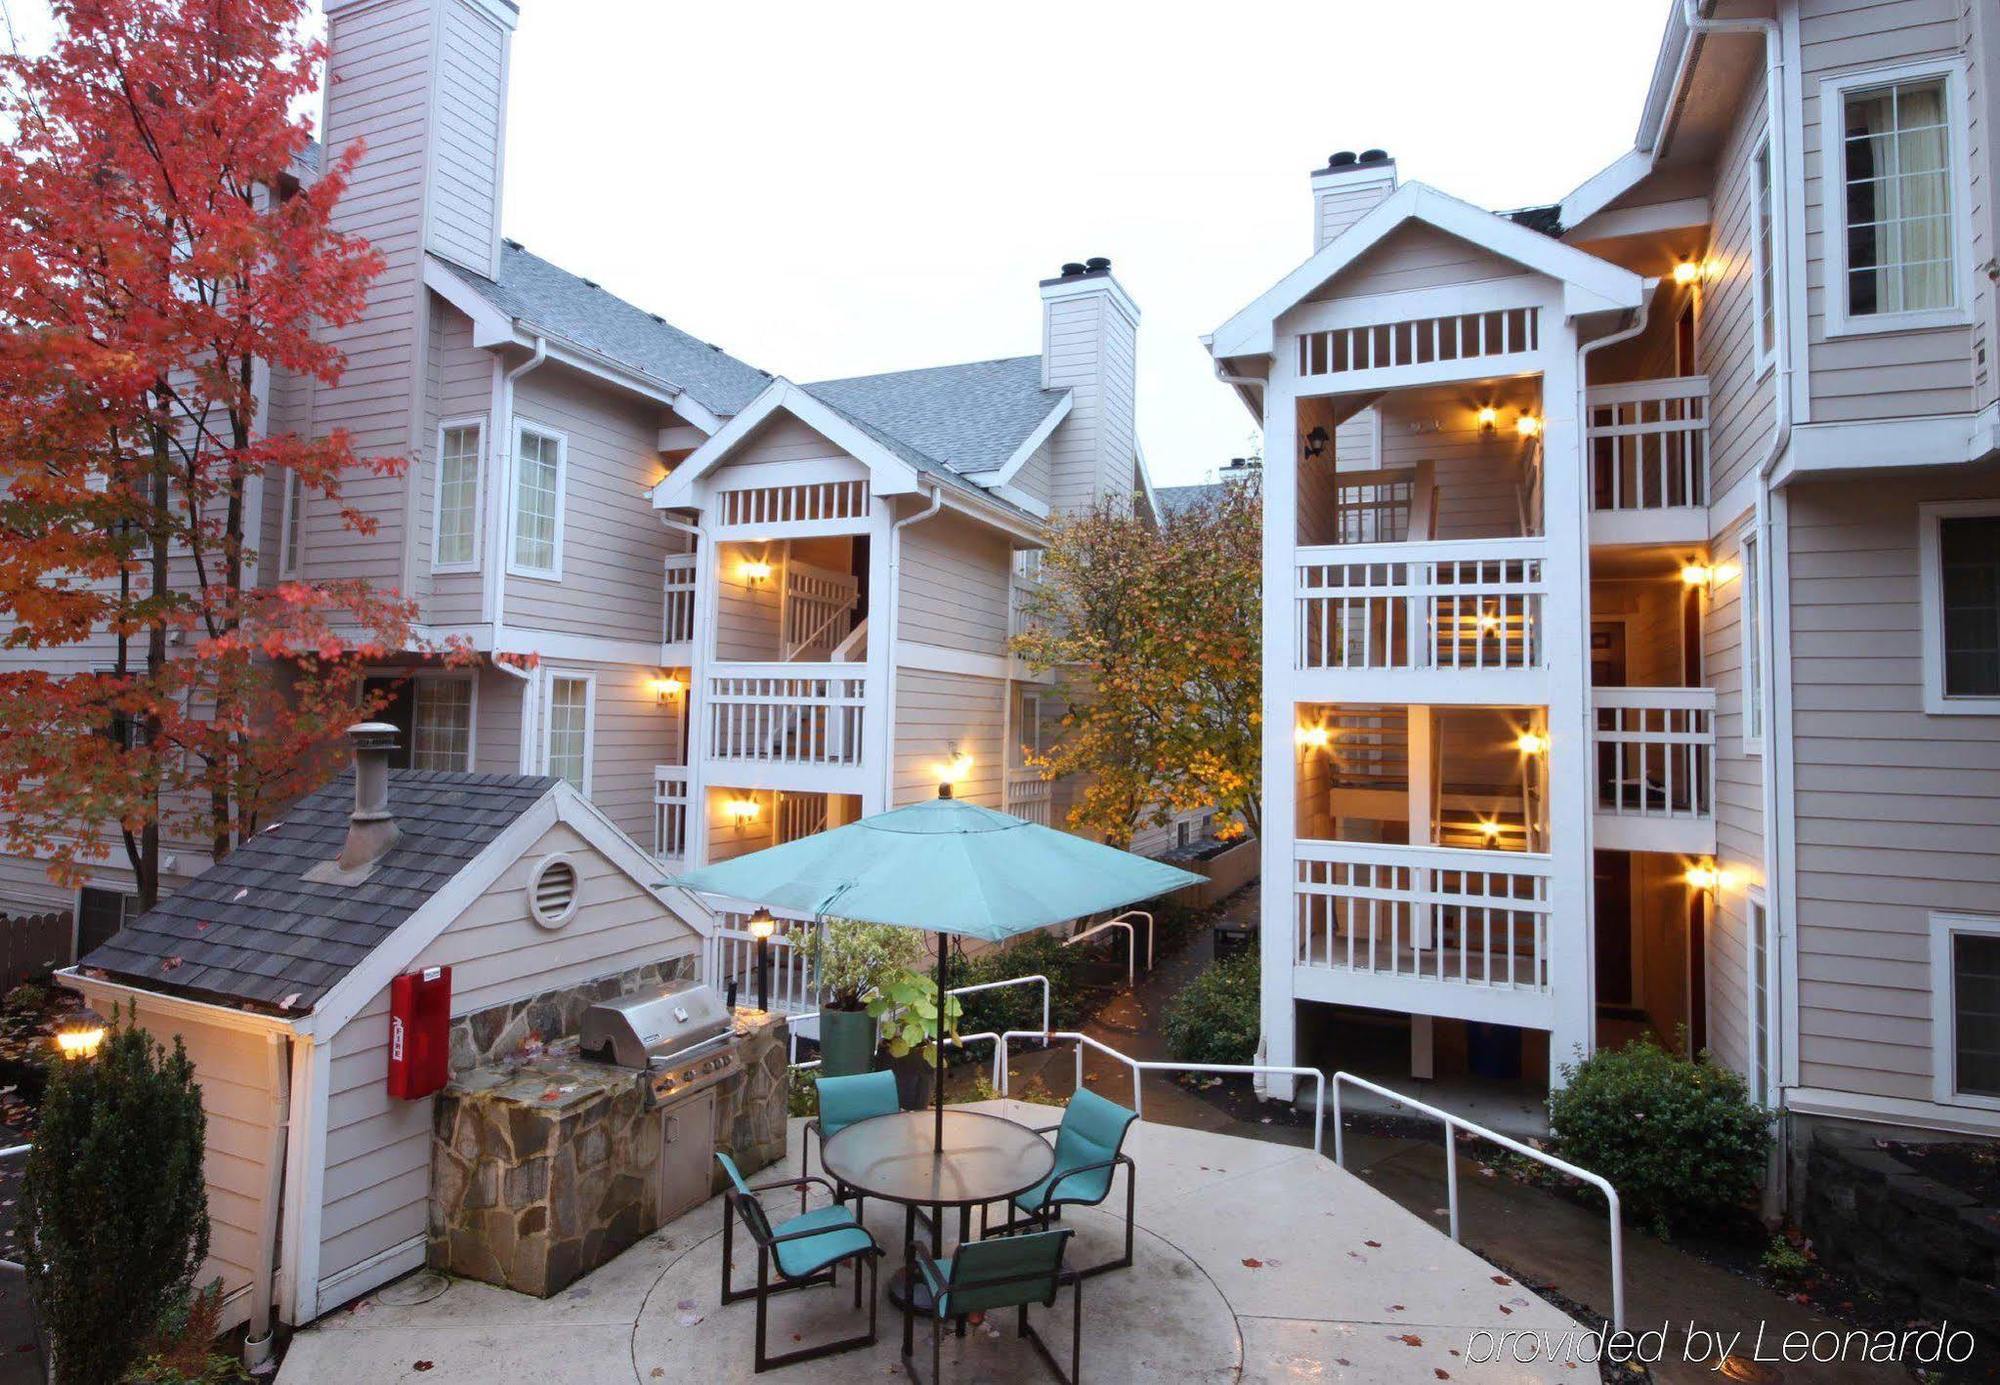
(1423, 913)
(1647, 444)
(677, 625)
(1451, 605)
(1655, 752)
(1030, 796)
(815, 613)
(796, 714)
(670, 812)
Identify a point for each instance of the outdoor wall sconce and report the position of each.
(1489, 419)
(742, 811)
(1531, 743)
(956, 769)
(754, 570)
(1314, 737)
(81, 1035)
(1490, 830)
(1528, 426)
(1686, 272)
(1316, 442)
(1488, 623)
(1708, 877)
(666, 689)
(1697, 574)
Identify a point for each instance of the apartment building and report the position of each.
(725, 608)
(1632, 571)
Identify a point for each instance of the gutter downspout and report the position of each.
(501, 539)
(894, 607)
(1776, 741)
(257, 1339)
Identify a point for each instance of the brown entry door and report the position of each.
(1613, 910)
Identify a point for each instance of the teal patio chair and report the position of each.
(805, 1250)
(1009, 1269)
(842, 1102)
(1089, 1150)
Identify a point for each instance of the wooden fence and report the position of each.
(32, 945)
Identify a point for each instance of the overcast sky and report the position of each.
(837, 189)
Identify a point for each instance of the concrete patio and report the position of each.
(1256, 1261)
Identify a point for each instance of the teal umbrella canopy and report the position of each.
(945, 865)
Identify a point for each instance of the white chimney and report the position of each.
(434, 130)
(1090, 346)
(1347, 189)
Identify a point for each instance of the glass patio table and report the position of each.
(985, 1159)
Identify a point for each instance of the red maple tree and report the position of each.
(165, 253)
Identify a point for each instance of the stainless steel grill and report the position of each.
(678, 1039)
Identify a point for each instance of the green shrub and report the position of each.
(802, 1091)
(114, 1214)
(1020, 1007)
(1680, 1140)
(1216, 1018)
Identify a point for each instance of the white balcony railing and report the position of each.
(677, 626)
(1423, 913)
(670, 812)
(1030, 796)
(1655, 752)
(1647, 442)
(786, 714)
(1456, 605)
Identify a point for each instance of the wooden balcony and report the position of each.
(1655, 773)
(677, 620)
(786, 725)
(1647, 448)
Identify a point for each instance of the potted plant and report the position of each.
(849, 957)
(906, 1000)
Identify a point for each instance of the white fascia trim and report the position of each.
(936, 658)
(1603, 187)
(890, 474)
(694, 412)
(1146, 477)
(1014, 495)
(1005, 472)
(1888, 1110)
(490, 326)
(182, 1008)
(1601, 285)
(588, 821)
(993, 513)
(1649, 219)
(1887, 444)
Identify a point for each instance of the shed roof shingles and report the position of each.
(253, 929)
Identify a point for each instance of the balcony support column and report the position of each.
(1278, 938)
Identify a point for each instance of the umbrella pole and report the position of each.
(937, 1084)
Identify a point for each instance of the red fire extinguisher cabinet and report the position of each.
(419, 1032)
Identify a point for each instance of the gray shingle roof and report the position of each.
(951, 420)
(535, 292)
(1174, 499)
(253, 929)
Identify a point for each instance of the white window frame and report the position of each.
(1930, 579)
(516, 568)
(471, 712)
(476, 422)
(1944, 1012)
(544, 699)
(1763, 254)
(291, 555)
(1750, 637)
(1833, 94)
(1757, 916)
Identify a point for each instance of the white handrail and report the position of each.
(1123, 921)
(1453, 1124)
(1142, 1066)
(793, 1021)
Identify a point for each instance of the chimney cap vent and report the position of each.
(1071, 269)
(1343, 159)
(1097, 264)
(374, 735)
(1374, 156)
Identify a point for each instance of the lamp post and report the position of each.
(761, 926)
(81, 1035)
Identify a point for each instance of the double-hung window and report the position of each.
(566, 727)
(291, 525)
(1965, 1009)
(1896, 196)
(441, 724)
(538, 502)
(1762, 1058)
(1959, 574)
(1751, 617)
(1762, 258)
(456, 523)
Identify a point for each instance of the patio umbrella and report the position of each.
(946, 866)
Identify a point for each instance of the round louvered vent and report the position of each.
(552, 891)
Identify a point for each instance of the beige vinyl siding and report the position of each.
(379, 91)
(749, 615)
(1090, 348)
(378, 1149)
(1034, 476)
(1739, 807)
(613, 546)
(1898, 812)
(1741, 399)
(461, 389)
(727, 838)
(633, 733)
(465, 146)
(938, 714)
(1888, 374)
(955, 584)
(1476, 478)
(496, 734)
(1417, 256)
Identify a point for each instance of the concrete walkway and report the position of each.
(1256, 1261)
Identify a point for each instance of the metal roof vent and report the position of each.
(1071, 269)
(1097, 264)
(371, 827)
(552, 891)
(1341, 160)
(1374, 156)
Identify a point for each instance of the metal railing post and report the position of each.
(1451, 1175)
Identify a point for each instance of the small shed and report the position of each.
(275, 968)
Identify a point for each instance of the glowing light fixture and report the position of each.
(1528, 426)
(742, 811)
(760, 925)
(1314, 737)
(1708, 876)
(1488, 622)
(1490, 830)
(1531, 743)
(754, 570)
(81, 1035)
(666, 689)
(1489, 418)
(1686, 272)
(1697, 574)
